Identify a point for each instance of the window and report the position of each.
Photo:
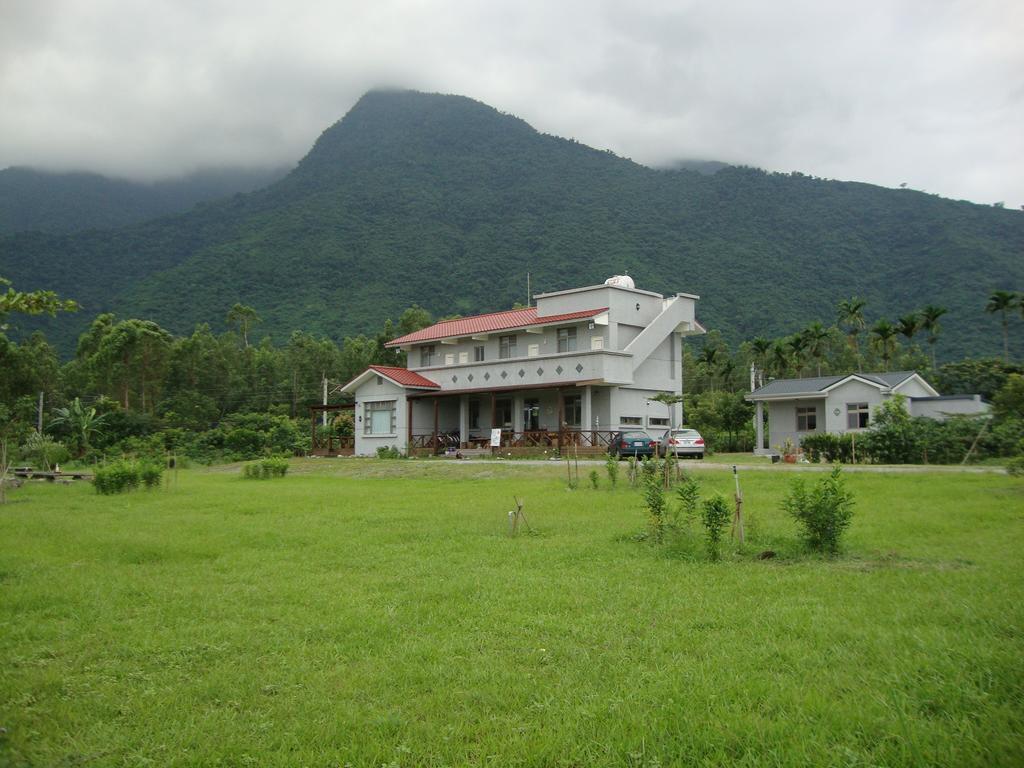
(379, 418)
(427, 355)
(573, 410)
(654, 421)
(631, 420)
(506, 346)
(463, 358)
(478, 354)
(449, 358)
(857, 415)
(380, 381)
(532, 350)
(566, 339)
(806, 419)
(597, 342)
(531, 415)
(474, 414)
(503, 412)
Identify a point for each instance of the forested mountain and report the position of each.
(70, 202)
(448, 203)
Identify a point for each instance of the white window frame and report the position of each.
(631, 421)
(859, 410)
(808, 413)
(566, 339)
(373, 407)
(479, 353)
(427, 354)
(507, 346)
(659, 421)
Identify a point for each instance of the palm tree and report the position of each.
(884, 334)
(930, 322)
(909, 325)
(761, 347)
(798, 348)
(707, 358)
(1002, 302)
(81, 421)
(851, 315)
(815, 335)
(780, 357)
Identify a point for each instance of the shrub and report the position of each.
(824, 512)
(1015, 466)
(716, 515)
(150, 473)
(825, 446)
(389, 452)
(611, 466)
(594, 477)
(265, 469)
(43, 452)
(119, 477)
(654, 500)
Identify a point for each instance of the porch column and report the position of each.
(586, 422)
(437, 405)
(493, 408)
(518, 424)
(464, 420)
(409, 404)
(561, 417)
(759, 426)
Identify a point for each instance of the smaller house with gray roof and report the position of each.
(839, 404)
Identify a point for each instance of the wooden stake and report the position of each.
(737, 520)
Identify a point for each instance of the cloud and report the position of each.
(931, 94)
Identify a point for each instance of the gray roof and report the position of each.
(816, 385)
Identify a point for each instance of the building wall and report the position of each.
(913, 388)
(850, 392)
(940, 409)
(609, 366)
(782, 421)
(372, 391)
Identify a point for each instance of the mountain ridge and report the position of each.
(446, 202)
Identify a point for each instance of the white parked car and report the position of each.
(683, 442)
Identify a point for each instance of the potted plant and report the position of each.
(789, 451)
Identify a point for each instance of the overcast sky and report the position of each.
(926, 92)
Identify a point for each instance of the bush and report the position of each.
(151, 473)
(824, 513)
(43, 452)
(1015, 466)
(716, 516)
(594, 477)
(265, 469)
(824, 446)
(119, 477)
(689, 498)
(389, 452)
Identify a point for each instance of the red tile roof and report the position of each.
(495, 321)
(404, 377)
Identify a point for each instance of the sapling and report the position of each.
(593, 479)
(716, 516)
(689, 498)
(824, 512)
(631, 470)
(611, 466)
(654, 499)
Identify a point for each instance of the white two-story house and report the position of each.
(576, 367)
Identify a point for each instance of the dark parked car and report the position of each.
(633, 444)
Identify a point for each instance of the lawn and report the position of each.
(376, 613)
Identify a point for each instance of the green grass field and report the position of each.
(377, 613)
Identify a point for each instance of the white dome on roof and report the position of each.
(620, 281)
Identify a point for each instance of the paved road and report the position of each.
(909, 469)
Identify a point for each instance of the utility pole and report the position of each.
(528, 297)
(39, 415)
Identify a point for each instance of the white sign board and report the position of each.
(496, 437)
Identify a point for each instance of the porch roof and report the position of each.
(510, 388)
